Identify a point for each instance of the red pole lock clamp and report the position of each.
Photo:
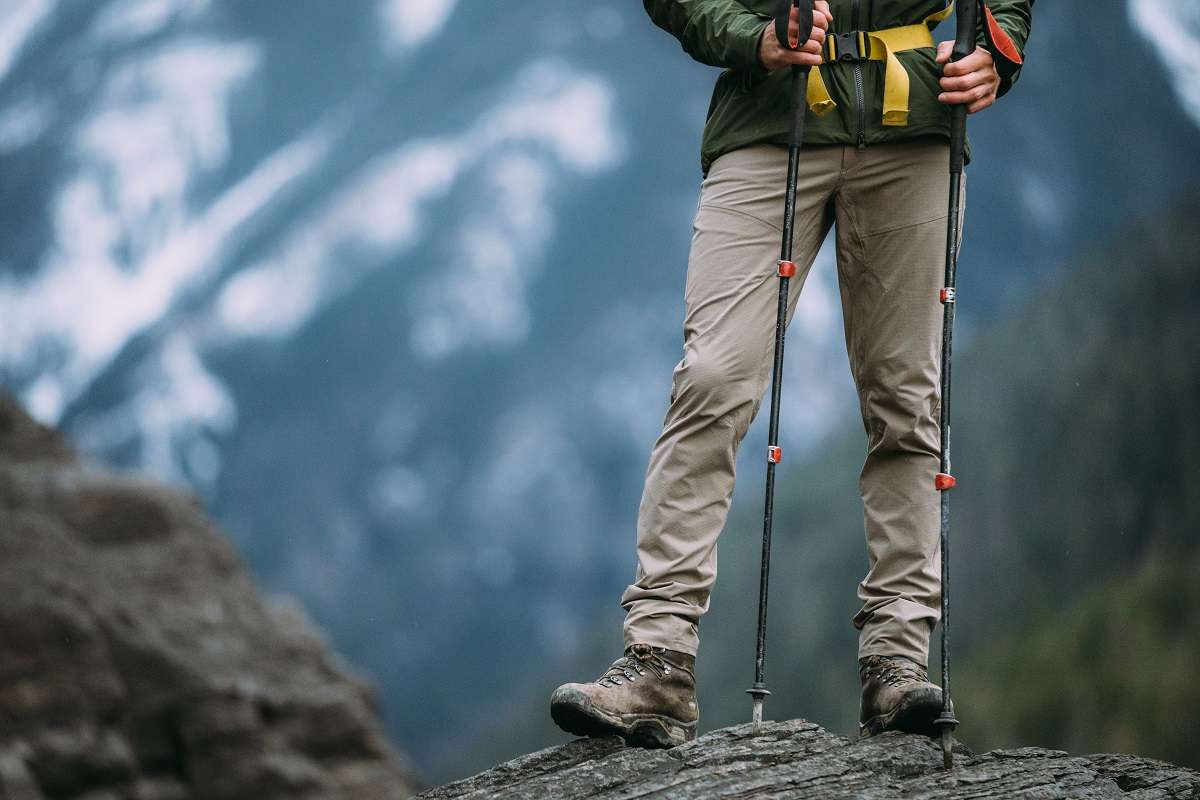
(774, 454)
(946, 295)
(787, 269)
(942, 481)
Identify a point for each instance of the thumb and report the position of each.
(944, 49)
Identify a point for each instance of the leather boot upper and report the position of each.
(647, 680)
(887, 682)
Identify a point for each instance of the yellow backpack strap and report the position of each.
(820, 102)
(884, 46)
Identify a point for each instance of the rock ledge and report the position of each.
(800, 759)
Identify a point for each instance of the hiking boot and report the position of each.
(897, 696)
(647, 697)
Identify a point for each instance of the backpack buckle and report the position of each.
(851, 46)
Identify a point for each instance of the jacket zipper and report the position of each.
(859, 92)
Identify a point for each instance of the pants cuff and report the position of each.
(663, 630)
(901, 628)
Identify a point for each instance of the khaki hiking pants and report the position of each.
(889, 205)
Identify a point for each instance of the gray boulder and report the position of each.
(139, 662)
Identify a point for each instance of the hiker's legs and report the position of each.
(891, 221)
(731, 301)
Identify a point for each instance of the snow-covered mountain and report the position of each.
(396, 284)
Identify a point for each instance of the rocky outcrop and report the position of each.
(138, 661)
(798, 759)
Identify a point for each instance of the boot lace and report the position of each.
(636, 661)
(894, 671)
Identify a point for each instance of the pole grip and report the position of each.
(783, 13)
(967, 17)
(783, 10)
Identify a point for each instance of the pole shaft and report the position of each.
(952, 238)
(799, 91)
(958, 136)
(966, 19)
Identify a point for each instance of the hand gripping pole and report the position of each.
(787, 269)
(964, 45)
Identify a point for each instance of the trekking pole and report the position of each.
(786, 270)
(964, 45)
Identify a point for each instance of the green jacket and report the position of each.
(750, 105)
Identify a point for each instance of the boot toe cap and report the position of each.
(573, 694)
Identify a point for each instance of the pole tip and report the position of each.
(947, 748)
(758, 691)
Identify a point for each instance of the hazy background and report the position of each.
(396, 287)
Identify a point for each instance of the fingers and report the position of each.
(965, 82)
(822, 16)
(809, 55)
(820, 24)
(971, 95)
(977, 60)
(972, 81)
(775, 56)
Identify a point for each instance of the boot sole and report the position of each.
(916, 714)
(574, 712)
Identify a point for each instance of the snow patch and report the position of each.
(409, 23)
(19, 20)
(1173, 26)
(481, 295)
(552, 117)
(379, 212)
(173, 400)
(567, 111)
(68, 323)
(161, 121)
(130, 20)
(499, 244)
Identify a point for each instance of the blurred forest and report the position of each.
(1075, 562)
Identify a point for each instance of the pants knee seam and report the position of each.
(739, 212)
